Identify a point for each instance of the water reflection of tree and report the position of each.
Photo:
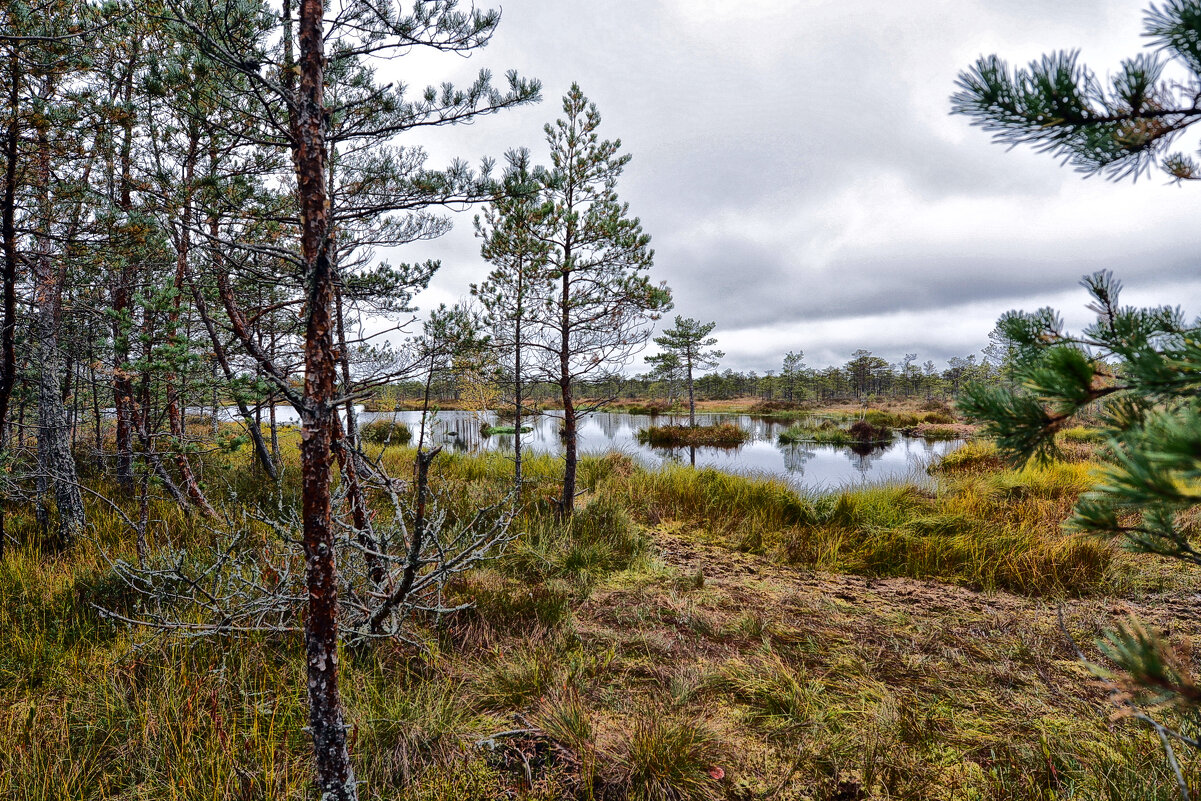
(609, 424)
(863, 456)
(463, 434)
(687, 453)
(761, 429)
(670, 454)
(795, 456)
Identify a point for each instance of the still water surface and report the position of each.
(808, 465)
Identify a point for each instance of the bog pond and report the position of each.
(809, 466)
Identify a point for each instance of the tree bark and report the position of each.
(8, 240)
(183, 251)
(517, 383)
(691, 399)
(570, 455)
(335, 775)
(55, 462)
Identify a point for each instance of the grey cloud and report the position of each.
(746, 138)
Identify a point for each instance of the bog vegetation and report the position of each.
(683, 625)
(200, 601)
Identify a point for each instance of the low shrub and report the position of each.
(941, 431)
(509, 413)
(866, 433)
(385, 432)
(722, 435)
(937, 406)
(654, 408)
(778, 406)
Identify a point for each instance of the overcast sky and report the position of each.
(802, 180)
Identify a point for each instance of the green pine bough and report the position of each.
(1137, 374)
(1139, 369)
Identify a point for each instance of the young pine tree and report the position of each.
(519, 280)
(689, 341)
(603, 305)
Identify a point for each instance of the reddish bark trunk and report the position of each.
(183, 248)
(335, 776)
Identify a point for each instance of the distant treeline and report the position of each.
(865, 376)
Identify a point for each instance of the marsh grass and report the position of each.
(669, 759)
(720, 435)
(987, 531)
(491, 430)
(602, 634)
(874, 426)
(820, 430)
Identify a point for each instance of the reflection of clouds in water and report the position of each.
(807, 465)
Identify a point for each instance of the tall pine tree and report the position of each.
(603, 305)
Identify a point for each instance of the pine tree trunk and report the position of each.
(8, 240)
(517, 385)
(215, 422)
(55, 462)
(567, 500)
(174, 413)
(123, 283)
(335, 775)
(273, 426)
(691, 399)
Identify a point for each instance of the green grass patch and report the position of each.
(383, 431)
(490, 430)
(823, 431)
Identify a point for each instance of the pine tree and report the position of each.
(689, 341)
(791, 373)
(509, 229)
(289, 64)
(601, 312)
